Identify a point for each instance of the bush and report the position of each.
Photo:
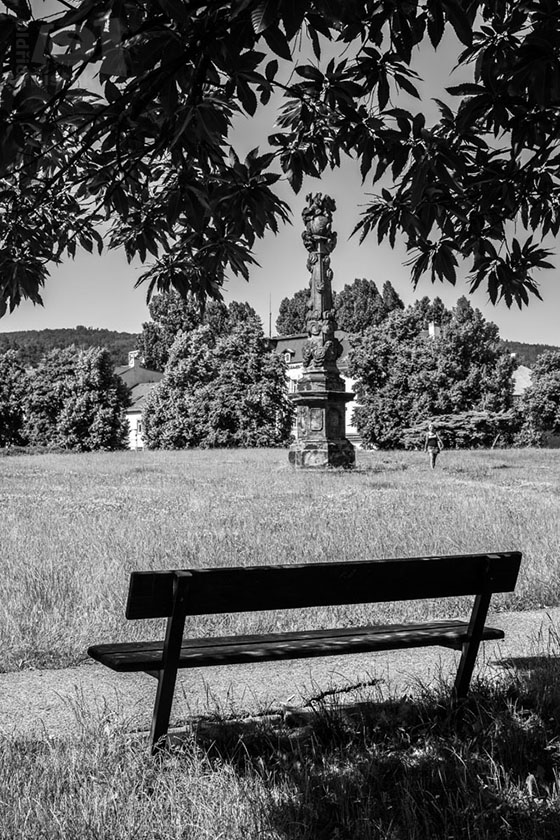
(468, 430)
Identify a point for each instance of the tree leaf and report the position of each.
(20, 7)
(459, 20)
(293, 14)
(404, 83)
(435, 21)
(271, 70)
(277, 42)
(466, 89)
(264, 15)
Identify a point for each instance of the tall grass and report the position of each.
(75, 526)
(423, 770)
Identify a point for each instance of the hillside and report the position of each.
(527, 354)
(33, 344)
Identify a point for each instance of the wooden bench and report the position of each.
(177, 594)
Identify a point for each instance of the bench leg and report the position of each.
(167, 676)
(470, 648)
(162, 709)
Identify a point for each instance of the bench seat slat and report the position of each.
(148, 656)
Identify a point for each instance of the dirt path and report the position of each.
(39, 703)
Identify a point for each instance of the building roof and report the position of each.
(294, 343)
(135, 374)
(138, 394)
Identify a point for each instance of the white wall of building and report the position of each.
(135, 440)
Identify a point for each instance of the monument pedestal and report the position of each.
(320, 429)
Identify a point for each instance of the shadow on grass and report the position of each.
(410, 769)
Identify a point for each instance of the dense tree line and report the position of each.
(72, 399)
(462, 377)
(222, 385)
(172, 314)
(358, 306)
(32, 345)
(541, 401)
(151, 149)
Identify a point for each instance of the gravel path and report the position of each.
(59, 702)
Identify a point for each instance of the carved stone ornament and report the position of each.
(317, 217)
(321, 396)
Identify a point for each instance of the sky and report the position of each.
(98, 291)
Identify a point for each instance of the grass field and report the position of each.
(403, 769)
(73, 527)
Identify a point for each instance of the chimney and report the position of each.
(133, 358)
(433, 329)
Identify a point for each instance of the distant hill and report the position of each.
(34, 344)
(527, 354)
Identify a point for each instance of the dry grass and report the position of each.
(74, 526)
(401, 770)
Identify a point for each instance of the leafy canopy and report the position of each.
(172, 314)
(144, 149)
(541, 401)
(357, 306)
(75, 400)
(13, 384)
(404, 377)
(221, 388)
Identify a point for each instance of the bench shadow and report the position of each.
(419, 767)
(529, 663)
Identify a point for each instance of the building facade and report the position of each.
(140, 381)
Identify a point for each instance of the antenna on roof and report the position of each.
(270, 316)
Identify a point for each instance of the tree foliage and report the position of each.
(358, 306)
(361, 305)
(540, 403)
(149, 148)
(172, 314)
(404, 377)
(391, 298)
(76, 401)
(293, 312)
(13, 386)
(427, 312)
(468, 430)
(220, 389)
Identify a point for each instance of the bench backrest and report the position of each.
(251, 588)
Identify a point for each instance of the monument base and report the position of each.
(317, 455)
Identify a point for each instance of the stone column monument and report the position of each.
(321, 397)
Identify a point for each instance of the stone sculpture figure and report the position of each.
(321, 395)
(320, 240)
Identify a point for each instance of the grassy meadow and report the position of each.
(401, 769)
(73, 527)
